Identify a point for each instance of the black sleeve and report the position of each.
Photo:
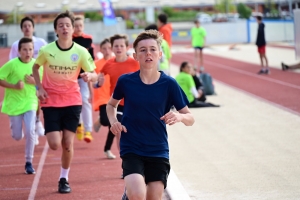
(197, 82)
(91, 51)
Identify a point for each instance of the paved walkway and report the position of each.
(246, 149)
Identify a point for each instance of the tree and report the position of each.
(224, 6)
(244, 11)
(14, 17)
(93, 16)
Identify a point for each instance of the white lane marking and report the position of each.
(175, 189)
(254, 75)
(39, 173)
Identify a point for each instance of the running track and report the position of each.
(94, 177)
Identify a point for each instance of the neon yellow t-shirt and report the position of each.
(61, 70)
(17, 102)
(198, 36)
(186, 82)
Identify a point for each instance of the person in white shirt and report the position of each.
(27, 27)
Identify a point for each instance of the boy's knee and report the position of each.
(139, 195)
(53, 145)
(17, 137)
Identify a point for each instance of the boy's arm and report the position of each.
(184, 115)
(17, 86)
(111, 110)
(42, 94)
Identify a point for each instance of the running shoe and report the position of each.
(109, 154)
(79, 132)
(63, 186)
(88, 137)
(28, 168)
(124, 196)
(284, 67)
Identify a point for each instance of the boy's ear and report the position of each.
(160, 54)
(134, 56)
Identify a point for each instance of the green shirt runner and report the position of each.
(198, 35)
(17, 102)
(186, 82)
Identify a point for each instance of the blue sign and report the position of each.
(109, 17)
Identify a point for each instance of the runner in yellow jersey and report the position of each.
(59, 93)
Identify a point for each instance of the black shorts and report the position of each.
(151, 168)
(103, 115)
(200, 48)
(61, 118)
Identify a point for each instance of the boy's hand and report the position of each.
(19, 85)
(100, 79)
(172, 118)
(116, 128)
(29, 79)
(42, 94)
(86, 76)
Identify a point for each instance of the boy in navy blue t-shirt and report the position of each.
(148, 95)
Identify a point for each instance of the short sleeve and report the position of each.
(14, 51)
(5, 70)
(87, 62)
(119, 90)
(41, 58)
(178, 96)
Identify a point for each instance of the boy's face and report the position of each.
(106, 49)
(147, 53)
(27, 28)
(26, 52)
(119, 48)
(64, 28)
(78, 27)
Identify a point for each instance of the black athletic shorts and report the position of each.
(200, 48)
(61, 118)
(151, 168)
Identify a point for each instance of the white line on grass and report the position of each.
(39, 173)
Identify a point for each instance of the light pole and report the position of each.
(16, 11)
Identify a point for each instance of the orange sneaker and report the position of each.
(79, 132)
(88, 137)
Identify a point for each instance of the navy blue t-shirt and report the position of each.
(144, 105)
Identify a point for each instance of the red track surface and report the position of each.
(282, 88)
(94, 177)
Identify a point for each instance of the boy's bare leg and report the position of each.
(135, 187)
(155, 190)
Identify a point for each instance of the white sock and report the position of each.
(64, 173)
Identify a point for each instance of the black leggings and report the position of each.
(105, 122)
(199, 104)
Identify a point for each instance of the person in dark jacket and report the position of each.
(261, 45)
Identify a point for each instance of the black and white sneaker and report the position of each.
(264, 71)
(124, 196)
(28, 168)
(63, 186)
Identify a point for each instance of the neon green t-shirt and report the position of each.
(166, 55)
(17, 102)
(61, 70)
(186, 82)
(198, 36)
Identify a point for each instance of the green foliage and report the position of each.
(244, 11)
(168, 11)
(129, 24)
(93, 16)
(224, 6)
(14, 15)
(176, 16)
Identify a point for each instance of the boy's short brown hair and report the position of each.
(148, 34)
(63, 15)
(119, 36)
(23, 41)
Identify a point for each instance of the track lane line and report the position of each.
(37, 177)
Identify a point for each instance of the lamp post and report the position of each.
(16, 11)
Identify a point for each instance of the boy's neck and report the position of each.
(121, 58)
(24, 61)
(149, 76)
(64, 44)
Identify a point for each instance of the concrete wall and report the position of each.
(97, 29)
(241, 31)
